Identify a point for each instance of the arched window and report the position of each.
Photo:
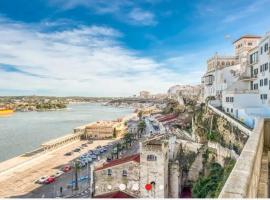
(151, 157)
(125, 173)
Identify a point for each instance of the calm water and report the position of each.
(25, 131)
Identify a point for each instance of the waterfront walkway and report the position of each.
(17, 176)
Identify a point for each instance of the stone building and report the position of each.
(105, 129)
(118, 175)
(156, 165)
(154, 168)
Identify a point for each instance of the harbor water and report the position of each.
(22, 132)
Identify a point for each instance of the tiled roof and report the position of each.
(117, 194)
(247, 36)
(166, 117)
(135, 158)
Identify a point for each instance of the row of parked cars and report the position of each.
(83, 160)
(91, 155)
(78, 149)
(52, 178)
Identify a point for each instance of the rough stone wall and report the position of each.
(154, 171)
(221, 153)
(103, 182)
(243, 181)
(175, 176)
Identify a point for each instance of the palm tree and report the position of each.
(128, 139)
(141, 128)
(140, 113)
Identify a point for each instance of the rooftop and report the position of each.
(117, 194)
(247, 36)
(135, 158)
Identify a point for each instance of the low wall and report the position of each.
(231, 120)
(244, 179)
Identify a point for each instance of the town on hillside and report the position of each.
(195, 141)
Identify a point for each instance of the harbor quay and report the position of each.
(18, 175)
(18, 178)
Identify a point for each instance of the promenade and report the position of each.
(17, 175)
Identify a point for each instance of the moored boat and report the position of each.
(6, 111)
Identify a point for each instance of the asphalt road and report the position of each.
(53, 190)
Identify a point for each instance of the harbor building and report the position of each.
(105, 129)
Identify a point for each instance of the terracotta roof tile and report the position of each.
(135, 158)
(117, 194)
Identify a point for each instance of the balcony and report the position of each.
(248, 77)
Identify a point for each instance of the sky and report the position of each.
(117, 47)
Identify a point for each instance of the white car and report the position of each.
(58, 173)
(41, 180)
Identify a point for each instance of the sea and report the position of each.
(23, 132)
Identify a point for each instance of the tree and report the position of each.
(140, 113)
(141, 127)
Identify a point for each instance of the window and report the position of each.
(124, 172)
(251, 85)
(151, 157)
(261, 82)
(256, 71)
(261, 50)
(227, 109)
(265, 47)
(263, 96)
(109, 172)
(231, 110)
(265, 81)
(255, 86)
(250, 44)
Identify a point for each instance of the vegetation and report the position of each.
(141, 127)
(210, 185)
(185, 159)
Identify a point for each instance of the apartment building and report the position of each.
(246, 96)
(221, 72)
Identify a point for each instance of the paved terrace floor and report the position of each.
(17, 176)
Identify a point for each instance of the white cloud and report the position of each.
(124, 10)
(142, 17)
(87, 61)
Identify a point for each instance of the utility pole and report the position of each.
(76, 175)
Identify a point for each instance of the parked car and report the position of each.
(66, 168)
(49, 180)
(98, 147)
(84, 145)
(90, 142)
(68, 154)
(94, 157)
(109, 159)
(77, 150)
(41, 180)
(58, 173)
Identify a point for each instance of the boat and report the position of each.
(5, 111)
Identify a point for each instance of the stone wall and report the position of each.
(105, 183)
(244, 179)
(222, 152)
(154, 172)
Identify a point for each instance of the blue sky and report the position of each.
(117, 48)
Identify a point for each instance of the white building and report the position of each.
(221, 72)
(247, 94)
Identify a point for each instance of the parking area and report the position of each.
(22, 179)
